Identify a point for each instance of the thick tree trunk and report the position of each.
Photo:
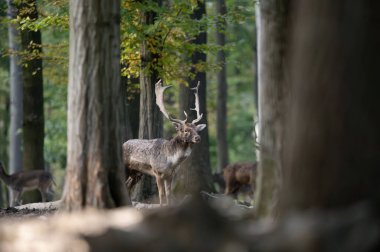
(194, 173)
(255, 65)
(273, 92)
(222, 87)
(94, 159)
(255, 84)
(126, 123)
(33, 100)
(16, 94)
(150, 125)
(133, 106)
(134, 115)
(333, 140)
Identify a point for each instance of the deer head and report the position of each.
(186, 131)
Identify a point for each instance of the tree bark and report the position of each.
(126, 125)
(221, 78)
(194, 173)
(16, 94)
(151, 124)
(273, 92)
(331, 159)
(255, 85)
(33, 100)
(94, 160)
(133, 106)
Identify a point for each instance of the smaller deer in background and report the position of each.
(22, 181)
(239, 175)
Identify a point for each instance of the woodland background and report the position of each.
(318, 108)
(173, 28)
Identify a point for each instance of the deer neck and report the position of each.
(5, 177)
(179, 149)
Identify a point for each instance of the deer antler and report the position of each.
(199, 116)
(159, 89)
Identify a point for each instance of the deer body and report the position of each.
(159, 157)
(156, 157)
(22, 181)
(238, 175)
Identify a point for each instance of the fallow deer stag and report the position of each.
(22, 181)
(159, 157)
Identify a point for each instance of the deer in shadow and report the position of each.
(23, 181)
(239, 177)
(160, 157)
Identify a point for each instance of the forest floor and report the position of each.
(25, 213)
(44, 210)
(34, 210)
(42, 227)
(195, 224)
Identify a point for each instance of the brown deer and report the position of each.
(22, 181)
(238, 175)
(159, 157)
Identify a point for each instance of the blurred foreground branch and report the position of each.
(195, 225)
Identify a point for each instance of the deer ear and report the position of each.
(200, 127)
(177, 126)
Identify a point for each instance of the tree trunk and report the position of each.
(255, 71)
(133, 106)
(127, 132)
(194, 173)
(222, 143)
(16, 94)
(333, 140)
(134, 114)
(94, 160)
(255, 64)
(150, 125)
(4, 130)
(273, 88)
(33, 124)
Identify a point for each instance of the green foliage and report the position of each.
(55, 123)
(240, 39)
(43, 23)
(170, 37)
(4, 85)
(53, 23)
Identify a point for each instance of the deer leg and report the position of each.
(228, 189)
(12, 198)
(43, 194)
(50, 192)
(15, 200)
(168, 190)
(161, 188)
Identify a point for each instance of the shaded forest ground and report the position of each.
(41, 227)
(14, 213)
(194, 225)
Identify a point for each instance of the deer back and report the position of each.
(243, 173)
(30, 180)
(157, 154)
(144, 155)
